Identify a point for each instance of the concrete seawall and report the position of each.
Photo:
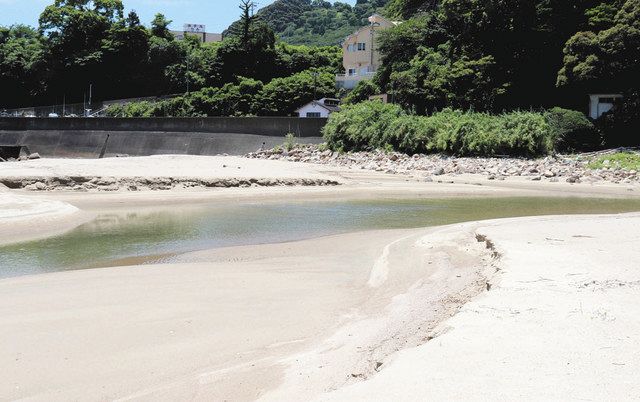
(79, 137)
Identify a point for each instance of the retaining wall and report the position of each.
(85, 137)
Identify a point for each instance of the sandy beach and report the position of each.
(523, 308)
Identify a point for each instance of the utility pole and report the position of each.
(187, 74)
(315, 84)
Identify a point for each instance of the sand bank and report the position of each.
(164, 172)
(27, 218)
(219, 326)
(560, 322)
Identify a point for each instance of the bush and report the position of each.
(410, 134)
(361, 126)
(571, 131)
(371, 125)
(363, 90)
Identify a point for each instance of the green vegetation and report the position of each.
(494, 56)
(289, 141)
(314, 22)
(85, 42)
(620, 160)
(572, 131)
(374, 125)
(244, 97)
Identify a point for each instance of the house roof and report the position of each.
(322, 104)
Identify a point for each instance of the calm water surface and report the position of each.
(125, 238)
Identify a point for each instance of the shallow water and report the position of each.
(128, 238)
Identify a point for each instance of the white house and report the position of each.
(600, 104)
(319, 108)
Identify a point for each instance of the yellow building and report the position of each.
(360, 56)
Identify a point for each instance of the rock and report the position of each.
(573, 179)
(438, 172)
(549, 174)
(34, 155)
(536, 178)
(23, 158)
(40, 186)
(393, 157)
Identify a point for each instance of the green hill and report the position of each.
(315, 22)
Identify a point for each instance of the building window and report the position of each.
(352, 72)
(362, 46)
(313, 114)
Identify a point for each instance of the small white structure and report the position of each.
(319, 108)
(600, 104)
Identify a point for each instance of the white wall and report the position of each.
(312, 108)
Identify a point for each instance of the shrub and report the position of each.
(370, 125)
(361, 126)
(363, 90)
(289, 141)
(571, 131)
(525, 134)
(409, 134)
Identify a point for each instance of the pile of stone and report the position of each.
(569, 168)
(85, 183)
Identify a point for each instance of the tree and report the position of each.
(609, 61)
(75, 31)
(21, 61)
(247, 19)
(160, 27)
(282, 96)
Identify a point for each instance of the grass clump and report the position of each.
(374, 125)
(289, 141)
(619, 160)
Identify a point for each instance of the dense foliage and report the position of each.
(246, 97)
(374, 125)
(492, 55)
(497, 55)
(315, 22)
(572, 130)
(85, 42)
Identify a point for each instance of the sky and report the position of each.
(215, 14)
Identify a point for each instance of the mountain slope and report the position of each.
(315, 22)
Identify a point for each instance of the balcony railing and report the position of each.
(350, 81)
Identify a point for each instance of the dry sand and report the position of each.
(362, 316)
(218, 329)
(560, 323)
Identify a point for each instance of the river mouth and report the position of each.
(161, 235)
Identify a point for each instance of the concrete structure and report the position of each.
(360, 56)
(320, 108)
(199, 31)
(600, 104)
(86, 137)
